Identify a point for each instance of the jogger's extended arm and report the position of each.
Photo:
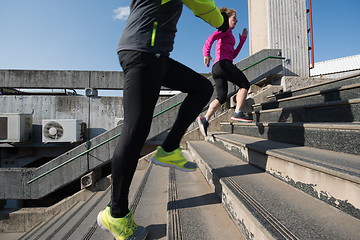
(206, 10)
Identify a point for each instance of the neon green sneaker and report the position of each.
(173, 159)
(121, 228)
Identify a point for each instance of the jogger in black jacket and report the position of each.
(143, 51)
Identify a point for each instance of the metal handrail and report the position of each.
(117, 135)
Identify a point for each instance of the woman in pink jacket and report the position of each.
(224, 70)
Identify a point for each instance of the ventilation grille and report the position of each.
(3, 128)
(53, 130)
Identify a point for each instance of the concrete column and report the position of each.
(281, 24)
(258, 25)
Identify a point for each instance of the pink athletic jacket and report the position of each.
(224, 46)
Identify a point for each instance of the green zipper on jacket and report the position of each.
(153, 34)
(164, 1)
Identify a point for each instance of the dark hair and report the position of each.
(228, 11)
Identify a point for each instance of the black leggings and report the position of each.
(224, 71)
(144, 74)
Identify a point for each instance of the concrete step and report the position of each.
(265, 207)
(338, 137)
(336, 83)
(329, 176)
(335, 111)
(195, 211)
(327, 95)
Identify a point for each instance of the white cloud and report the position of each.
(121, 13)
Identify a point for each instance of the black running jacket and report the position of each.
(151, 25)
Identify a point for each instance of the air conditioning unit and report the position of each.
(15, 127)
(63, 130)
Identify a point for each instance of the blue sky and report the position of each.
(83, 34)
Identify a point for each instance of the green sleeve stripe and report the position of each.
(153, 34)
(164, 1)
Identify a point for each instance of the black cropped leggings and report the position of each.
(224, 71)
(144, 74)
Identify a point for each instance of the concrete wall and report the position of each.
(48, 79)
(271, 66)
(98, 113)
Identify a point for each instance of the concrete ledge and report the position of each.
(60, 79)
(298, 85)
(263, 69)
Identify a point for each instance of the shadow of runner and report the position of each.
(156, 231)
(206, 199)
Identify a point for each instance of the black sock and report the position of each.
(120, 214)
(169, 148)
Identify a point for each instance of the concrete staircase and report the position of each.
(295, 172)
(280, 179)
(171, 204)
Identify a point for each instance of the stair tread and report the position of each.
(338, 163)
(201, 213)
(315, 93)
(314, 105)
(303, 215)
(151, 209)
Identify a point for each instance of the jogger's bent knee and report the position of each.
(221, 99)
(245, 85)
(209, 89)
(205, 89)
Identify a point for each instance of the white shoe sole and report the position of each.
(241, 120)
(155, 161)
(132, 237)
